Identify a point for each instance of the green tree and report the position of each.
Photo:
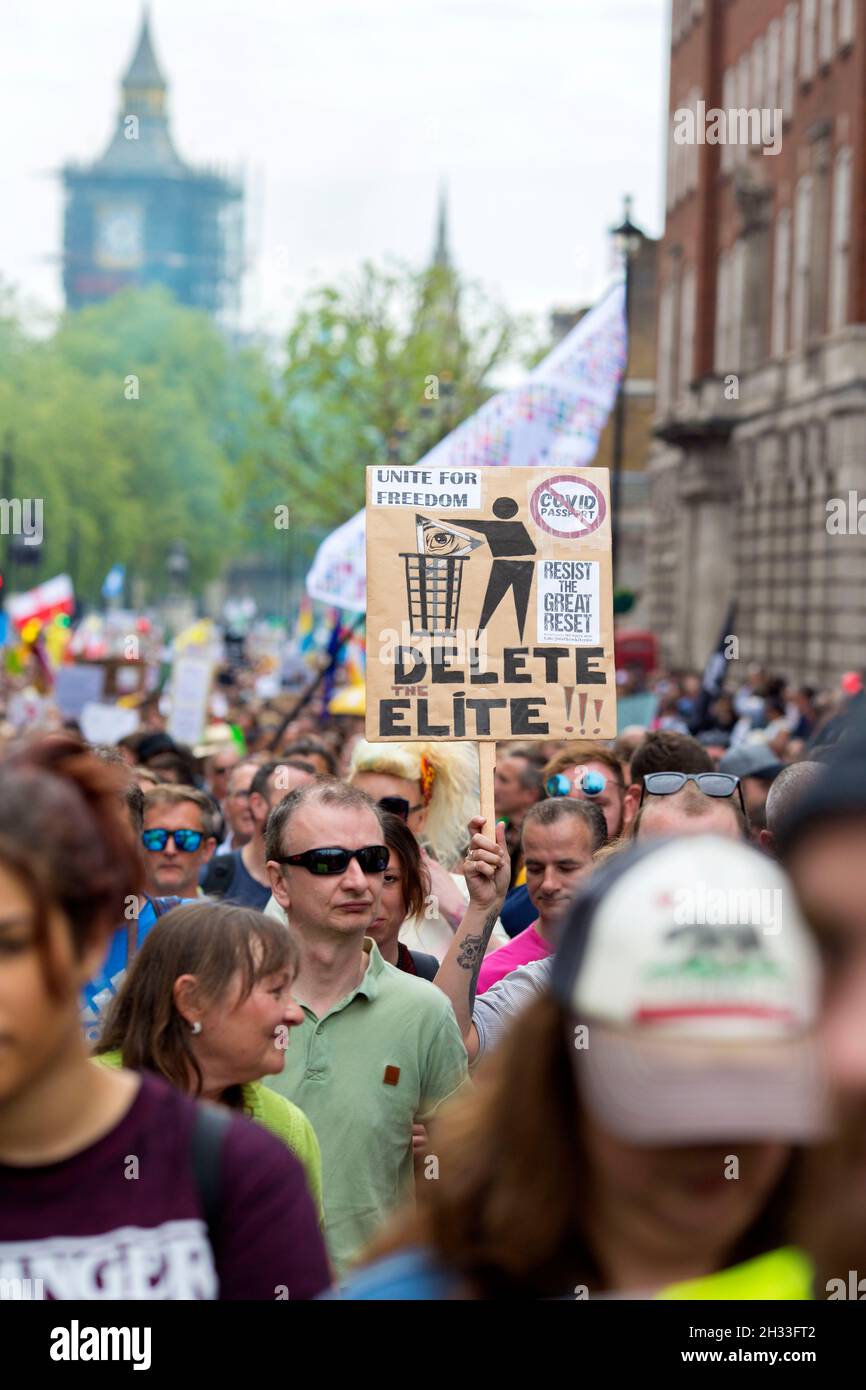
(139, 425)
(384, 366)
(130, 422)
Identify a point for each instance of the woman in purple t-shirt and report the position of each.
(113, 1185)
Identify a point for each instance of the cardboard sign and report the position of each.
(190, 691)
(77, 686)
(490, 610)
(107, 723)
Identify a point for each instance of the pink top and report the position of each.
(523, 948)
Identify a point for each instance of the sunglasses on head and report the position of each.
(399, 806)
(589, 782)
(710, 783)
(373, 859)
(187, 841)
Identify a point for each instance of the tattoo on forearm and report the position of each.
(471, 953)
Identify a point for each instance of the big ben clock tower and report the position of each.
(140, 215)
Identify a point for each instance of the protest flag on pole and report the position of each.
(713, 680)
(42, 603)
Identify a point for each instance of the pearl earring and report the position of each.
(195, 1028)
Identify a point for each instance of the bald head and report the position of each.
(788, 789)
(689, 812)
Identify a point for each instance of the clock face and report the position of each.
(120, 235)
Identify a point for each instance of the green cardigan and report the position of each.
(280, 1116)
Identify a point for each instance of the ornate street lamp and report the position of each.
(627, 242)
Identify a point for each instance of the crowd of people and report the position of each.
(283, 1017)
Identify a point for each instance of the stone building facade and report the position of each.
(761, 401)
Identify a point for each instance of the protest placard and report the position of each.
(191, 680)
(107, 723)
(490, 604)
(194, 656)
(78, 685)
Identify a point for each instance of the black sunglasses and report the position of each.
(399, 806)
(373, 859)
(710, 783)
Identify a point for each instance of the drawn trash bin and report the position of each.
(433, 592)
(434, 574)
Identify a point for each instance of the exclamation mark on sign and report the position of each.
(599, 706)
(581, 702)
(569, 696)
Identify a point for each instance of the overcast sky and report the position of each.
(346, 115)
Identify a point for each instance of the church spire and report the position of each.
(441, 254)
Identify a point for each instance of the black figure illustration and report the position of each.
(506, 538)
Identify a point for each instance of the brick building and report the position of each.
(761, 399)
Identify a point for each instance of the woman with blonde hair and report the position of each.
(438, 781)
(434, 788)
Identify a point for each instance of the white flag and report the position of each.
(338, 575)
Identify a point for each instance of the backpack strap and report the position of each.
(163, 905)
(160, 907)
(208, 1133)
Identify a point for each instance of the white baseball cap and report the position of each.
(695, 973)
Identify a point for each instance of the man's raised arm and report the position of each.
(488, 872)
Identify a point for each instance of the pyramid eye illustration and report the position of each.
(440, 542)
(436, 538)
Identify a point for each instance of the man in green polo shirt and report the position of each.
(378, 1047)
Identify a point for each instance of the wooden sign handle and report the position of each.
(486, 764)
